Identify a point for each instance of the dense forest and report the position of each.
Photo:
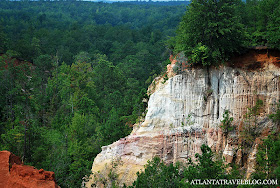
(73, 75)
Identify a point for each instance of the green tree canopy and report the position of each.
(210, 31)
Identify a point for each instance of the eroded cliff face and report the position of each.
(13, 174)
(186, 112)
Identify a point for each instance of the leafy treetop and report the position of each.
(210, 32)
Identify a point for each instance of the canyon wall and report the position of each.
(186, 111)
(13, 174)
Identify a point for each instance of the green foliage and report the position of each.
(276, 116)
(226, 123)
(189, 120)
(158, 174)
(205, 168)
(67, 28)
(200, 53)
(261, 18)
(82, 100)
(249, 130)
(268, 160)
(89, 67)
(273, 30)
(57, 116)
(13, 139)
(210, 32)
(165, 78)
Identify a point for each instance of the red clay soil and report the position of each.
(256, 59)
(13, 174)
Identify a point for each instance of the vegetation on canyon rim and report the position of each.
(86, 68)
(213, 31)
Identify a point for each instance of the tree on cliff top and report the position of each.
(210, 31)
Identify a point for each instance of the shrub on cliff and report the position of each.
(210, 32)
(276, 116)
(250, 130)
(226, 123)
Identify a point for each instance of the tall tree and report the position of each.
(210, 31)
(272, 11)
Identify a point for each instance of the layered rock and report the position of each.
(13, 174)
(186, 111)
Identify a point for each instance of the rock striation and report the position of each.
(186, 111)
(13, 174)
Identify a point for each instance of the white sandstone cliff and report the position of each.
(186, 112)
